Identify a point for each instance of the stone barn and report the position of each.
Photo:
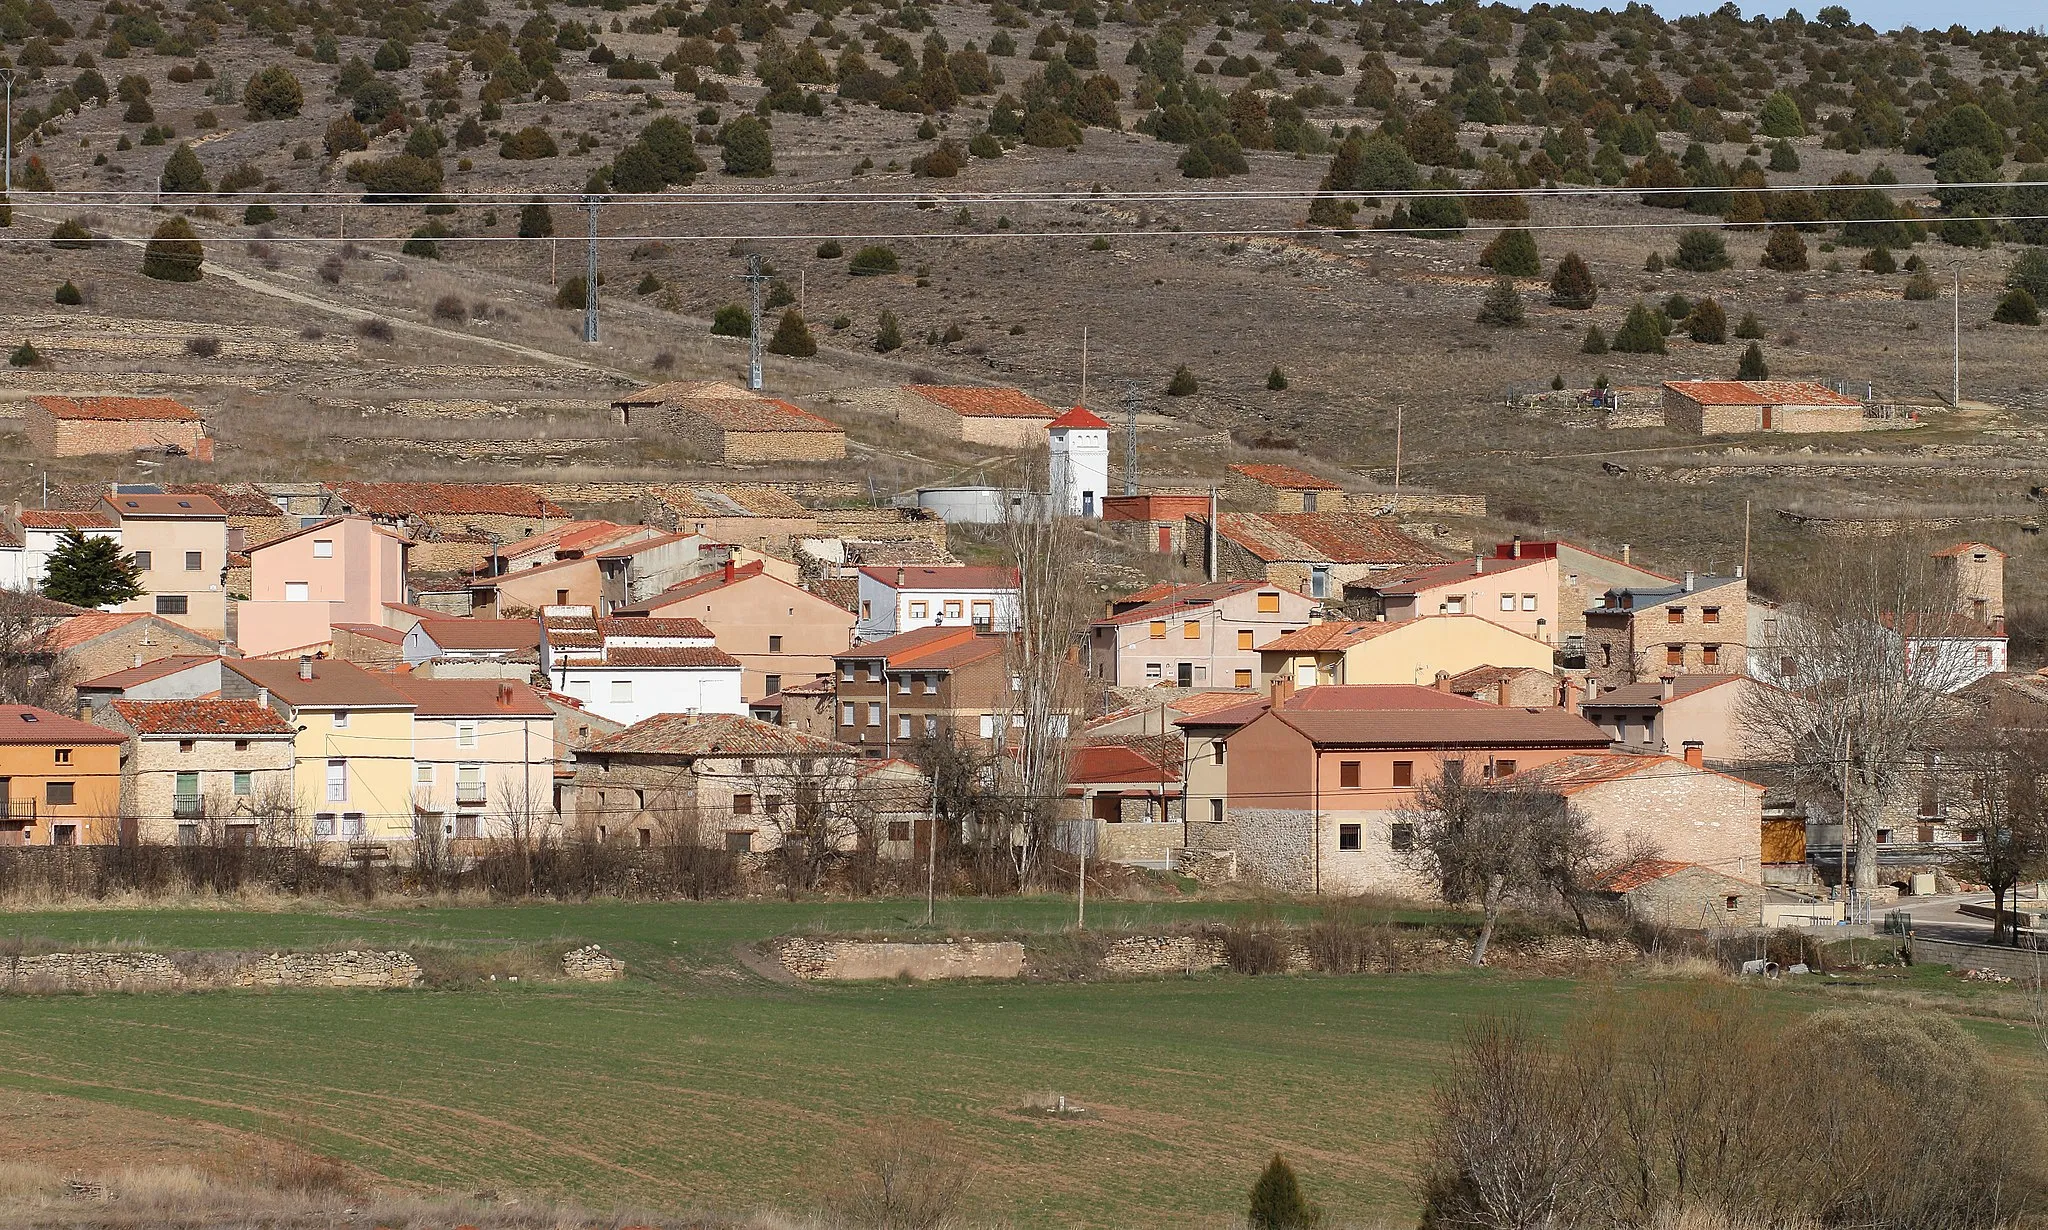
(85, 426)
(1710, 407)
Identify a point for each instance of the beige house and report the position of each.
(1516, 593)
(1412, 651)
(1684, 895)
(339, 571)
(1583, 578)
(101, 642)
(1712, 407)
(1674, 806)
(1676, 715)
(996, 417)
(781, 634)
(1329, 556)
(180, 545)
(1193, 636)
(725, 423)
(483, 756)
(1268, 487)
(1975, 572)
(86, 426)
(204, 769)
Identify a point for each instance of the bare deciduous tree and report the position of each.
(30, 674)
(2007, 802)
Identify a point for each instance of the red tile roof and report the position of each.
(435, 698)
(133, 675)
(710, 582)
(698, 656)
(1360, 696)
(1969, 548)
(194, 506)
(28, 724)
(678, 628)
(1285, 478)
(202, 717)
(334, 685)
(1323, 537)
(1940, 626)
(66, 519)
(79, 629)
(1651, 695)
(482, 633)
(755, 414)
(1080, 418)
(375, 632)
(1199, 703)
(1114, 762)
(1631, 876)
(1162, 601)
(237, 500)
(478, 499)
(1760, 393)
(119, 409)
(906, 646)
(714, 734)
(1417, 580)
(961, 576)
(1481, 726)
(1318, 638)
(985, 403)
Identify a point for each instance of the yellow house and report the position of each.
(1407, 651)
(352, 764)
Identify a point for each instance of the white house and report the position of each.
(29, 535)
(1950, 652)
(894, 600)
(1079, 462)
(628, 670)
(469, 638)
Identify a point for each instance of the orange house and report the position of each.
(60, 780)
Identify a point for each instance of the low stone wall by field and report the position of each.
(2019, 964)
(1139, 955)
(154, 971)
(860, 960)
(592, 963)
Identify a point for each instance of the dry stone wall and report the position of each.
(153, 971)
(857, 960)
(592, 963)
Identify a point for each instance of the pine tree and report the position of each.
(1879, 260)
(2017, 308)
(1513, 254)
(1784, 251)
(1572, 286)
(1750, 328)
(1701, 251)
(1641, 333)
(792, 337)
(182, 172)
(1277, 1202)
(1503, 306)
(1276, 380)
(888, 334)
(90, 572)
(536, 220)
(1752, 366)
(1709, 323)
(68, 295)
(1595, 343)
(173, 253)
(1183, 382)
(732, 320)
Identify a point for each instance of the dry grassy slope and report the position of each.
(1363, 326)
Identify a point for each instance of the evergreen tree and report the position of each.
(182, 172)
(1784, 158)
(1750, 328)
(1709, 323)
(792, 337)
(732, 320)
(1183, 382)
(1701, 251)
(1277, 1202)
(1572, 286)
(90, 572)
(2017, 308)
(1780, 116)
(1513, 254)
(747, 150)
(68, 295)
(536, 220)
(25, 355)
(1503, 306)
(1595, 343)
(1785, 251)
(1276, 380)
(273, 94)
(173, 253)
(1920, 287)
(888, 334)
(1752, 366)
(1641, 333)
(2029, 272)
(1879, 260)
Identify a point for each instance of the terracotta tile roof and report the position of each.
(335, 684)
(482, 633)
(1416, 580)
(1162, 601)
(67, 519)
(821, 686)
(237, 499)
(714, 734)
(1080, 418)
(1651, 695)
(194, 506)
(1760, 393)
(1480, 726)
(35, 606)
(28, 724)
(435, 698)
(691, 656)
(681, 390)
(710, 582)
(1482, 677)
(1114, 762)
(842, 592)
(119, 409)
(202, 717)
(1569, 775)
(959, 576)
(1323, 637)
(627, 550)
(131, 676)
(680, 628)
(1231, 716)
(80, 629)
(476, 499)
(756, 414)
(1285, 478)
(984, 403)
(1631, 876)
(1323, 537)
(1969, 548)
(1361, 696)
(572, 536)
(906, 646)
(1940, 626)
(1199, 703)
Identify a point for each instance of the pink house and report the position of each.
(340, 571)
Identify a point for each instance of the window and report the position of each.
(1504, 768)
(142, 560)
(1401, 836)
(1269, 604)
(244, 783)
(1710, 614)
(579, 689)
(297, 591)
(920, 610)
(1215, 811)
(1157, 629)
(1983, 655)
(423, 775)
(739, 843)
(775, 643)
(1319, 582)
(323, 824)
(1241, 679)
(743, 805)
(1710, 655)
(846, 672)
(1734, 902)
(874, 713)
(899, 830)
(469, 785)
(465, 734)
(1152, 670)
(1528, 602)
(1350, 836)
(185, 794)
(241, 745)
(341, 719)
(866, 613)
(747, 766)
(846, 713)
(170, 604)
(646, 838)
(63, 754)
(1404, 773)
(988, 725)
(953, 608)
(1674, 655)
(1649, 730)
(58, 794)
(1244, 638)
(1348, 774)
(1507, 602)
(1216, 752)
(622, 691)
(903, 684)
(193, 561)
(1308, 501)
(772, 803)
(1191, 630)
(184, 745)
(1607, 655)
(984, 614)
(1454, 605)
(903, 726)
(771, 683)
(1674, 615)
(337, 781)
(323, 548)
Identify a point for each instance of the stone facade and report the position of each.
(1142, 955)
(1275, 846)
(51, 436)
(1702, 631)
(855, 960)
(151, 971)
(592, 963)
(1697, 899)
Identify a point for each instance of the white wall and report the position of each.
(890, 611)
(652, 690)
(1080, 470)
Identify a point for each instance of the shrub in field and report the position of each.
(70, 234)
(25, 355)
(1878, 260)
(68, 295)
(528, 144)
(1921, 287)
(1749, 328)
(331, 269)
(258, 214)
(903, 1174)
(1641, 333)
(173, 253)
(1513, 254)
(732, 320)
(1784, 251)
(1254, 950)
(1595, 343)
(202, 347)
(1183, 382)
(1503, 306)
(792, 337)
(451, 308)
(1752, 366)
(574, 292)
(182, 172)
(1701, 251)
(830, 250)
(1276, 380)
(374, 329)
(888, 334)
(344, 135)
(746, 148)
(1708, 323)
(1277, 1202)
(1572, 286)
(871, 260)
(2017, 308)
(536, 220)
(272, 94)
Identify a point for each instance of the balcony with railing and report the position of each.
(470, 794)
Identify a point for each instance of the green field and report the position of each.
(696, 1084)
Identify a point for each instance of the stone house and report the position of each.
(1328, 556)
(1526, 687)
(1697, 625)
(1675, 715)
(1156, 522)
(809, 707)
(1975, 573)
(1583, 578)
(713, 779)
(896, 600)
(178, 677)
(1685, 896)
(1412, 651)
(737, 427)
(753, 515)
(996, 417)
(180, 546)
(60, 780)
(780, 633)
(102, 642)
(1201, 635)
(1713, 407)
(455, 526)
(214, 769)
(85, 426)
(1517, 593)
(371, 645)
(1281, 489)
(1674, 806)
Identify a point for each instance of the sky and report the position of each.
(1885, 14)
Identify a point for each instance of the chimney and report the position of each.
(1443, 681)
(138, 659)
(1690, 578)
(1515, 547)
(729, 571)
(1624, 553)
(1569, 695)
(1696, 756)
(1998, 625)
(1670, 688)
(1738, 572)
(306, 667)
(899, 578)
(263, 697)
(1283, 687)
(1501, 693)
(1478, 565)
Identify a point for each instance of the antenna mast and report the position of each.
(590, 203)
(754, 278)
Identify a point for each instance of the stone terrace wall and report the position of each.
(152, 971)
(592, 964)
(856, 960)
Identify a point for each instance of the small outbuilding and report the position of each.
(1711, 407)
(86, 426)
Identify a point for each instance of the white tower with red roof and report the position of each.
(1079, 440)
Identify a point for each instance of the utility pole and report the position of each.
(1130, 438)
(9, 171)
(1955, 387)
(1211, 549)
(754, 279)
(931, 854)
(590, 203)
(1395, 510)
(1845, 827)
(1084, 366)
